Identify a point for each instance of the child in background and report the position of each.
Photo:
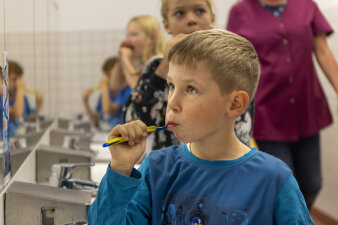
(144, 40)
(18, 101)
(19, 107)
(148, 100)
(214, 178)
(116, 90)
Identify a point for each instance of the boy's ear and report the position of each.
(166, 26)
(239, 102)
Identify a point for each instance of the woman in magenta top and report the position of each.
(291, 107)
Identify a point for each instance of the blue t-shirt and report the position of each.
(120, 98)
(175, 187)
(13, 124)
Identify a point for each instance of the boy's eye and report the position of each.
(200, 11)
(170, 86)
(178, 13)
(191, 90)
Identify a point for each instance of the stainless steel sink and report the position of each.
(17, 156)
(46, 156)
(34, 204)
(70, 139)
(74, 125)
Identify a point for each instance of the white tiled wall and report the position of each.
(65, 63)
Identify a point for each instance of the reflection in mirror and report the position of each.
(25, 36)
(2, 49)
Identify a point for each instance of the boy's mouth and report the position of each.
(171, 125)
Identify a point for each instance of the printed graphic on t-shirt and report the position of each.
(181, 209)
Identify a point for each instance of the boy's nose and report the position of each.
(173, 103)
(191, 19)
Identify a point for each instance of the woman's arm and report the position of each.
(326, 60)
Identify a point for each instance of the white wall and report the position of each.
(29, 15)
(74, 15)
(114, 14)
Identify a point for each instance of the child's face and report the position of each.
(116, 82)
(12, 78)
(187, 16)
(137, 39)
(196, 107)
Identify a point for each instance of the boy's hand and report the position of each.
(125, 155)
(20, 84)
(104, 81)
(38, 96)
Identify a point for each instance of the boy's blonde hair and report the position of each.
(231, 59)
(165, 8)
(152, 28)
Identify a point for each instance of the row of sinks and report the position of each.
(63, 188)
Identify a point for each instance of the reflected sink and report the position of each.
(46, 156)
(74, 125)
(70, 139)
(17, 156)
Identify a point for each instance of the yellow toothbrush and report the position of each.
(119, 140)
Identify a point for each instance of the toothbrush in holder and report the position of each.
(119, 140)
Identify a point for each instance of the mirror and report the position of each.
(2, 48)
(25, 35)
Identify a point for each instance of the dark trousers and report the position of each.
(303, 158)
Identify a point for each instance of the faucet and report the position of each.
(61, 176)
(71, 141)
(18, 143)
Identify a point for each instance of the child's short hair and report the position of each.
(232, 59)
(165, 8)
(109, 64)
(14, 68)
(152, 28)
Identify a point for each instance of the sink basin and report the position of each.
(46, 156)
